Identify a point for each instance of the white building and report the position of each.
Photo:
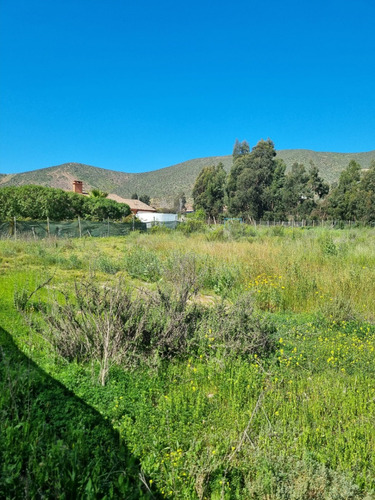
(155, 218)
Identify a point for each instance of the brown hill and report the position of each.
(164, 184)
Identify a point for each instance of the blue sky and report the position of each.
(136, 86)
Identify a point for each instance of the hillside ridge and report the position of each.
(164, 184)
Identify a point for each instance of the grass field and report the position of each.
(250, 373)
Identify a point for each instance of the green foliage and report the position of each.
(106, 265)
(162, 185)
(317, 184)
(280, 409)
(40, 203)
(97, 193)
(344, 200)
(208, 191)
(52, 444)
(297, 193)
(99, 208)
(249, 181)
(145, 199)
(366, 206)
(240, 149)
(36, 202)
(327, 244)
(142, 264)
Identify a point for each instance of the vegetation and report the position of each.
(209, 190)
(163, 184)
(244, 367)
(353, 197)
(179, 203)
(40, 203)
(144, 198)
(258, 187)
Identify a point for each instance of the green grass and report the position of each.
(52, 444)
(295, 423)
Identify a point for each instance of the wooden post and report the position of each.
(48, 231)
(15, 228)
(79, 227)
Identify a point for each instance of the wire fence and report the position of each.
(303, 223)
(84, 228)
(67, 229)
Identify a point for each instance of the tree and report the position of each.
(297, 193)
(145, 199)
(208, 191)
(240, 149)
(179, 204)
(249, 181)
(38, 203)
(97, 193)
(366, 204)
(318, 185)
(344, 201)
(102, 208)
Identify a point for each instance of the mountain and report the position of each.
(164, 184)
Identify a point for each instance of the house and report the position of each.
(136, 206)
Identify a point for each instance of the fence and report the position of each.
(305, 223)
(67, 229)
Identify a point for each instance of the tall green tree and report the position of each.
(318, 185)
(344, 201)
(274, 192)
(249, 181)
(297, 193)
(208, 191)
(366, 204)
(240, 149)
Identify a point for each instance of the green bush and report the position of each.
(106, 265)
(143, 264)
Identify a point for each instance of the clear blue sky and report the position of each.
(140, 85)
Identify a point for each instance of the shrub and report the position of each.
(143, 264)
(113, 324)
(192, 226)
(338, 309)
(106, 265)
(236, 330)
(327, 244)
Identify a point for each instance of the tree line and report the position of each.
(258, 187)
(40, 203)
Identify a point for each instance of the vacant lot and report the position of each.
(234, 363)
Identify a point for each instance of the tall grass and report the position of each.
(220, 422)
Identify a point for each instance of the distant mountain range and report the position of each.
(164, 184)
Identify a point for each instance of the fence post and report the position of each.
(79, 227)
(48, 231)
(108, 226)
(15, 228)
